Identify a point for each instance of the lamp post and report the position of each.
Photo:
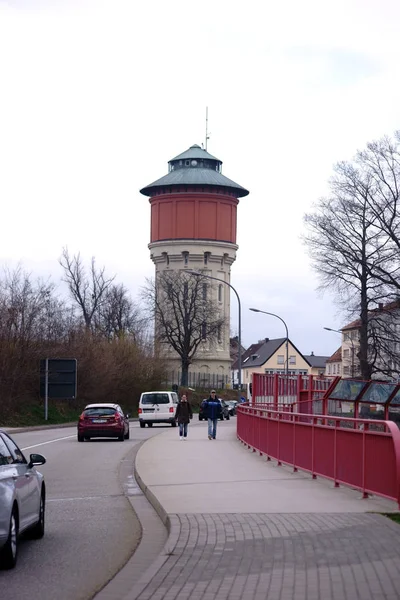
(287, 334)
(352, 347)
(200, 274)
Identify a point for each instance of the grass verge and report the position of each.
(393, 516)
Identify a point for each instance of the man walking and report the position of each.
(213, 411)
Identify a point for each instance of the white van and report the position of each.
(157, 407)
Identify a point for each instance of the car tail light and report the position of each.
(117, 416)
(82, 417)
(171, 409)
(140, 411)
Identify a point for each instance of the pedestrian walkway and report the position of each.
(243, 528)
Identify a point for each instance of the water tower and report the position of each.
(193, 226)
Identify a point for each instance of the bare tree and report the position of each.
(381, 160)
(87, 290)
(185, 314)
(119, 316)
(348, 247)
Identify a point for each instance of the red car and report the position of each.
(103, 420)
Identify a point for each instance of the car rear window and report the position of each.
(99, 410)
(155, 399)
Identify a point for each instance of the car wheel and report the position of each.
(121, 438)
(142, 425)
(127, 435)
(8, 555)
(80, 438)
(37, 530)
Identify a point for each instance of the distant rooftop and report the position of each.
(317, 362)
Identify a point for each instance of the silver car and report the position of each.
(22, 499)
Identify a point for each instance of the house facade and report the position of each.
(383, 345)
(269, 356)
(333, 366)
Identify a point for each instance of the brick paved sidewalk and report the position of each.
(279, 557)
(243, 529)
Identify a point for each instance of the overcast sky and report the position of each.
(97, 95)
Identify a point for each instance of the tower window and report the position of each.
(206, 257)
(187, 162)
(219, 333)
(204, 330)
(185, 257)
(220, 292)
(204, 291)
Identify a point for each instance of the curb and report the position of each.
(42, 427)
(37, 427)
(171, 522)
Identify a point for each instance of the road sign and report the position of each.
(57, 379)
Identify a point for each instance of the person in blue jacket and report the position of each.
(212, 410)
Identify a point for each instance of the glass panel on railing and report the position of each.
(347, 389)
(378, 393)
(395, 401)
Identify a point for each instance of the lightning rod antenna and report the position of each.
(207, 135)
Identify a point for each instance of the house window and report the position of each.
(220, 292)
(280, 359)
(292, 360)
(346, 353)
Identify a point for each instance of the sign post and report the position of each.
(46, 390)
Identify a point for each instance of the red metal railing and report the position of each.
(348, 451)
(294, 390)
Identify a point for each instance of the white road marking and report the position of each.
(49, 442)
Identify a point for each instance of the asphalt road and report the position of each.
(91, 529)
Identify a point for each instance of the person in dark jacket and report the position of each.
(212, 410)
(183, 415)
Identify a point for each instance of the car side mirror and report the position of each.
(36, 459)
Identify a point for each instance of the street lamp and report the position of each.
(352, 346)
(287, 334)
(200, 274)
